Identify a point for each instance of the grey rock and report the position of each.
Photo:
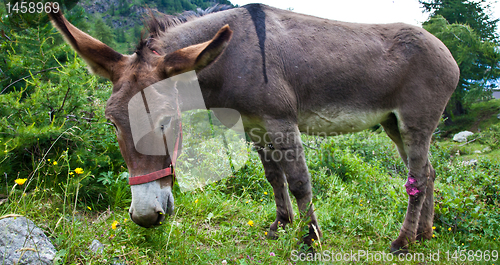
(96, 246)
(462, 136)
(498, 116)
(472, 162)
(22, 242)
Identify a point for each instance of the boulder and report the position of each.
(22, 242)
(472, 162)
(462, 136)
(96, 246)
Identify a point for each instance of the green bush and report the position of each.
(490, 137)
(55, 113)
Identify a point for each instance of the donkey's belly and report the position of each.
(331, 122)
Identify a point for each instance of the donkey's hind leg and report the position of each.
(426, 219)
(391, 128)
(276, 176)
(413, 146)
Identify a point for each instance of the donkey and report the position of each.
(286, 73)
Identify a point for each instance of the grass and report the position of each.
(359, 199)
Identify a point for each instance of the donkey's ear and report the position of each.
(102, 60)
(198, 56)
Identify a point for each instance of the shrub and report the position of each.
(491, 137)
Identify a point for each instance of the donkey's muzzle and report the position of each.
(149, 220)
(148, 215)
(150, 205)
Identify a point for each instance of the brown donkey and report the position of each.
(286, 73)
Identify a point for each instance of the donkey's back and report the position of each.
(334, 76)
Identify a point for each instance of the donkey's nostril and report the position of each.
(161, 218)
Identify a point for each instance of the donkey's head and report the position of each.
(131, 75)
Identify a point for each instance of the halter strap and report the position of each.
(151, 176)
(169, 171)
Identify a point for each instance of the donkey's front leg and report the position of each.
(276, 177)
(289, 154)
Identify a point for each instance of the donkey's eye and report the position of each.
(165, 121)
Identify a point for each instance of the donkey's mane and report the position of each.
(158, 23)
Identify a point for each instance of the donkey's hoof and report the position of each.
(398, 252)
(273, 235)
(309, 240)
(398, 249)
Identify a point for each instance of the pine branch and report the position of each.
(35, 73)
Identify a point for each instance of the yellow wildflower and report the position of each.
(433, 235)
(312, 239)
(71, 173)
(250, 223)
(55, 163)
(449, 229)
(20, 181)
(196, 201)
(265, 233)
(247, 201)
(114, 225)
(88, 207)
(265, 192)
(48, 159)
(78, 170)
(433, 228)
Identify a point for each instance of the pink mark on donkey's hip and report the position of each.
(410, 189)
